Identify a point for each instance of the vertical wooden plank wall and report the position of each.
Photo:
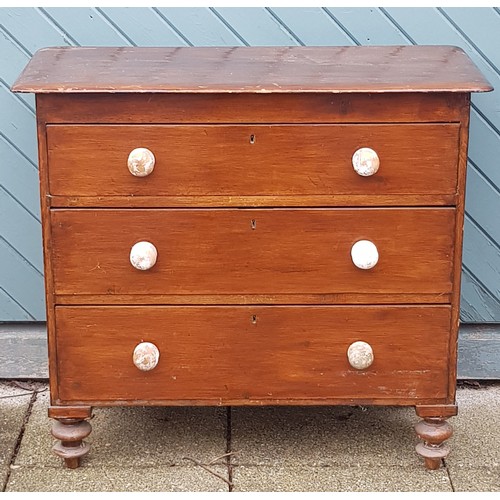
(24, 30)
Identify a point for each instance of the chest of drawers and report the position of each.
(252, 226)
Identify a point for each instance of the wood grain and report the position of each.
(70, 412)
(334, 200)
(252, 160)
(249, 108)
(275, 251)
(459, 233)
(360, 297)
(258, 353)
(47, 251)
(251, 69)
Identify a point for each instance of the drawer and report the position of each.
(223, 355)
(252, 161)
(228, 252)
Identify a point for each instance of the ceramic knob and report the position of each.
(360, 355)
(141, 162)
(143, 255)
(365, 162)
(364, 254)
(146, 356)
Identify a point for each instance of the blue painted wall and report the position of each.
(24, 30)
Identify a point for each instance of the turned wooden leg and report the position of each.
(70, 428)
(434, 430)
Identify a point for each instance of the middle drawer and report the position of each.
(253, 252)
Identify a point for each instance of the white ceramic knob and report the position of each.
(360, 355)
(146, 356)
(141, 162)
(143, 255)
(364, 254)
(365, 162)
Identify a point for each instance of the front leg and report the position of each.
(70, 428)
(434, 430)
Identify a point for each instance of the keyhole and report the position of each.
(253, 224)
(254, 319)
(252, 139)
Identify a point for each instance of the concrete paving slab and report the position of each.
(476, 441)
(135, 436)
(12, 413)
(474, 478)
(315, 436)
(349, 478)
(116, 479)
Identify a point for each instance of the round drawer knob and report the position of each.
(364, 254)
(146, 356)
(365, 162)
(141, 162)
(360, 355)
(143, 255)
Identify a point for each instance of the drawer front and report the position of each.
(235, 354)
(273, 251)
(252, 160)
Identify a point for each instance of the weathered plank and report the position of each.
(10, 310)
(22, 281)
(201, 26)
(18, 124)
(312, 26)
(13, 59)
(477, 305)
(20, 178)
(482, 257)
(31, 28)
(144, 27)
(478, 25)
(21, 230)
(369, 26)
(428, 26)
(483, 203)
(256, 26)
(87, 26)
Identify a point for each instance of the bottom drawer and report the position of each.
(252, 355)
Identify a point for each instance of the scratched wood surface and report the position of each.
(240, 252)
(208, 354)
(251, 69)
(253, 160)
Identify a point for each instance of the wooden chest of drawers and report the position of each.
(252, 226)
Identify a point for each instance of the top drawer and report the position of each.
(257, 164)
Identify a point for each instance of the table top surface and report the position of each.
(251, 70)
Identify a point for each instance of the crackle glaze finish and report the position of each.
(146, 356)
(360, 355)
(141, 162)
(143, 255)
(365, 162)
(282, 224)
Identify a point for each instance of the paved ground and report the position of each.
(271, 448)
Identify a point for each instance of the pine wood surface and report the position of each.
(222, 354)
(253, 160)
(238, 252)
(102, 108)
(251, 69)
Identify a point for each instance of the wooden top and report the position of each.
(251, 70)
